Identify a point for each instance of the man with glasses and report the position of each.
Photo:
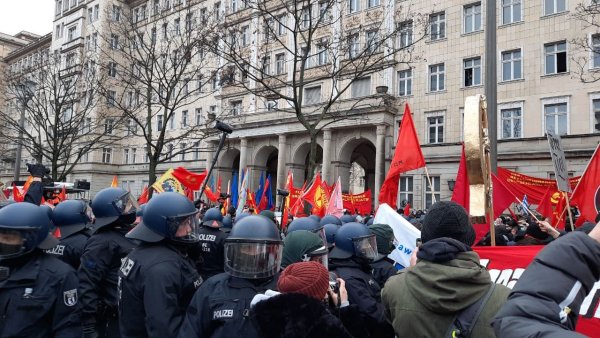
(114, 210)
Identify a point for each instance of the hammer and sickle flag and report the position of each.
(189, 179)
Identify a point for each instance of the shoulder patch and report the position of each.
(70, 297)
(126, 266)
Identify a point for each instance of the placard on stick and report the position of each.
(559, 161)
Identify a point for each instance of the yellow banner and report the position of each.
(168, 182)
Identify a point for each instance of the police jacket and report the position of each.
(99, 270)
(221, 307)
(364, 292)
(39, 299)
(547, 297)
(156, 285)
(70, 248)
(383, 269)
(212, 250)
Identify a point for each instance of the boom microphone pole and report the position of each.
(225, 129)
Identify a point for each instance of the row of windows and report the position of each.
(431, 189)
(130, 155)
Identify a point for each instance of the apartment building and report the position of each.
(441, 62)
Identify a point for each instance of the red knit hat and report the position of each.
(308, 278)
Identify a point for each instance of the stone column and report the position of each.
(243, 155)
(281, 172)
(327, 156)
(379, 162)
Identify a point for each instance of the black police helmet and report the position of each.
(213, 218)
(354, 240)
(330, 219)
(347, 219)
(111, 205)
(330, 232)
(71, 216)
(303, 223)
(254, 228)
(163, 216)
(27, 224)
(227, 223)
(241, 217)
(315, 217)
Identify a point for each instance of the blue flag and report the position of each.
(261, 187)
(234, 189)
(269, 194)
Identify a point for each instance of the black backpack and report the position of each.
(463, 322)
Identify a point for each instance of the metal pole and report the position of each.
(491, 81)
(17, 174)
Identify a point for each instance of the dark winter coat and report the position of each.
(70, 248)
(294, 315)
(422, 301)
(546, 299)
(212, 251)
(383, 269)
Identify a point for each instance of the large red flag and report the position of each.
(407, 156)
(503, 197)
(189, 179)
(18, 196)
(62, 196)
(143, 199)
(587, 193)
(316, 196)
(545, 205)
(461, 194)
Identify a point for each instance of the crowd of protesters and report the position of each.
(167, 269)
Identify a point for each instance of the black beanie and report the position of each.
(448, 219)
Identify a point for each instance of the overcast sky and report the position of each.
(34, 16)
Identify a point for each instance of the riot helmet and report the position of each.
(113, 204)
(23, 227)
(347, 219)
(168, 215)
(253, 249)
(303, 246)
(315, 218)
(227, 222)
(71, 216)
(330, 232)
(310, 224)
(213, 218)
(354, 240)
(330, 219)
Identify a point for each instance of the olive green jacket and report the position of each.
(423, 300)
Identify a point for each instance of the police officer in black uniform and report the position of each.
(355, 247)
(212, 243)
(221, 306)
(114, 210)
(38, 292)
(72, 217)
(157, 279)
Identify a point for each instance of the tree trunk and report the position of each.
(54, 172)
(312, 156)
(151, 175)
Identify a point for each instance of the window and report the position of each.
(361, 87)
(90, 14)
(177, 27)
(110, 97)
(432, 191)
(511, 122)
(184, 118)
(236, 108)
(234, 6)
(109, 126)
(555, 57)
(472, 17)
(71, 33)
(147, 154)
(58, 32)
(106, 155)
(324, 7)
(437, 26)
(271, 105)
(70, 59)
(511, 11)
(406, 189)
(305, 17)
(353, 45)
(353, 6)
(372, 3)
(188, 22)
(436, 77)
(511, 65)
(472, 72)
(153, 36)
(182, 153)
(197, 150)
(595, 45)
(555, 117)
(169, 155)
(281, 28)
(322, 55)
(96, 12)
(86, 126)
(279, 63)
(114, 41)
(131, 127)
(165, 31)
(435, 129)
(405, 38)
(372, 43)
(245, 38)
(312, 95)
(217, 11)
(58, 8)
(554, 6)
(172, 121)
(199, 117)
(112, 69)
(212, 110)
(405, 82)
(159, 122)
(116, 13)
(596, 115)
(125, 156)
(133, 155)
(266, 65)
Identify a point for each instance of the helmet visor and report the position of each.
(184, 228)
(126, 204)
(319, 255)
(365, 246)
(252, 260)
(321, 232)
(14, 243)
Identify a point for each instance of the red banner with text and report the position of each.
(358, 202)
(506, 265)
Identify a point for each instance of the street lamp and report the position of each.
(26, 92)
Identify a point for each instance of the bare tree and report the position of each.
(586, 51)
(158, 64)
(321, 54)
(56, 121)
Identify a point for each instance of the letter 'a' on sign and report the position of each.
(559, 161)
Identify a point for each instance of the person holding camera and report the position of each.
(302, 310)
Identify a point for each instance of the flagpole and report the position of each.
(430, 185)
(527, 209)
(569, 211)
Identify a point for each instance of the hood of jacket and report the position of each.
(447, 277)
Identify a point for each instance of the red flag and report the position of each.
(587, 193)
(27, 184)
(286, 201)
(114, 183)
(263, 201)
(560, 213)
(62, 196)
(407, 156)
(315, 196)
(460, 194)
(545, 206)
(503, 198)
(251, 200)
(189, 179)
(336, 204)
(189, 193)
(210, 195)
(407, 209)
(17, 194)
(143, 199)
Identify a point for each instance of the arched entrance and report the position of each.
(265, 162)
(227, 164)
(300, 165)
(356, 165)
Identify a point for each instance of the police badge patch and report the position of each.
(70, 297)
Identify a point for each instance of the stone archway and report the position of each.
(265, 160)
(299, 165)
(227, 164)
(356, 165)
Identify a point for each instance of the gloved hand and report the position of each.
(37, 170)
(89, 329)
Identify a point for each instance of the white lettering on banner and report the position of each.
(205, 237)
(227, 313)
(405, 233)
(57, 250)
